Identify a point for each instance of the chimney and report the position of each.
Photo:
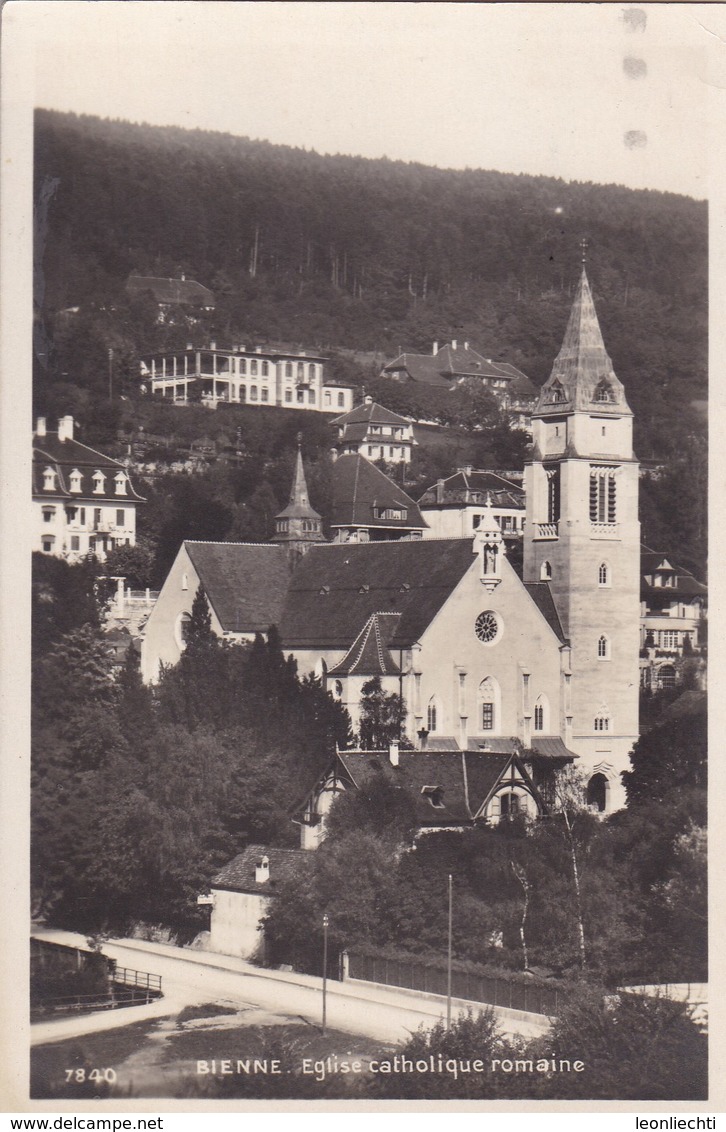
(183, 276)
(65, 428)
(262, 870)
(393, 752)
(435, 350)
(453, 343)
(190, 345)
(40, 428)
(466, 470)
(213, 345)
(423, 736)
(440, 491)
(466, 345)
(333, 454)
(367, 400)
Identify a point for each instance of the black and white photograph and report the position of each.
(359, 622)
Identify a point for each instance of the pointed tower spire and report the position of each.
(582, 375)
(299, 525)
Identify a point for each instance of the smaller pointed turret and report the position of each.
(298, 526)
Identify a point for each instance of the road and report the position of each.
(384, 1013)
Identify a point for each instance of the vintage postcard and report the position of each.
(358, 683)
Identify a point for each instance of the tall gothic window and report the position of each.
(431, 715)
(553, 493)
(602, 495)
(603, 574)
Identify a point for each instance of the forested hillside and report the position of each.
(349, 254)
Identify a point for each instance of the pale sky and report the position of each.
(532, 88)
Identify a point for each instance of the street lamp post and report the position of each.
(448, 963)
(325, 968)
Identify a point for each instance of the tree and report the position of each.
(133, 563)
(379, 807)
(668, 759)
(382, 716)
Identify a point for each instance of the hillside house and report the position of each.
(375, 432)
(242, 376)
(367, 506)
(452, 363)
(83, 502)
(453, 507)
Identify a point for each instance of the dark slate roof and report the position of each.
(550, 747)
(415, 770)
(689, 703)
(184, 291)
(449, 363)
(245, 583)
(65, 456)
(369, 654)
(685, 584)
(337, 587)
(463, 780)
(473, 487)
(359, 487)
(542, 597)
(371, 413)
(285, 864)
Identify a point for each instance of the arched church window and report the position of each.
(603, 574)
(667, 676)
(432, 715)
(602, 495)
(542, 714)
(553, 493)
(545, 571)
(557, 393)
(601, 722)
(603, 647)
(597, 792)
(489, 704)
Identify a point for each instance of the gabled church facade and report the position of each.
(486, 658)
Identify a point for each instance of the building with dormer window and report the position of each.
(83, 502)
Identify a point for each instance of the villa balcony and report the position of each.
(546, 531)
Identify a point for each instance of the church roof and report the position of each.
(337, 587)
(285, 864)
(361, 492)
(245, 583)
(369, 655)
(542, 597)
(583, 378)
(470, 486)
(371, 413)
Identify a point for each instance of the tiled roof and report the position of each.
(449, 363)
(371, 413)
(685, 584)
(171, 290)
(66, 456)
(359, 488)
(550, 747)
(369, 655)
(459, 488)
(542, 597)
(285, 864)
(459, 782)
(337, 587)
(416, 770)
(245, 583)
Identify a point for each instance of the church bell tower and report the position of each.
(582, 536)
(298, 526)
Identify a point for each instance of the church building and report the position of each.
(486, 655)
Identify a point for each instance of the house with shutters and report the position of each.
(453, 506)
(367, 506)
(83, 502)
(373, 431)
(482, 649)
